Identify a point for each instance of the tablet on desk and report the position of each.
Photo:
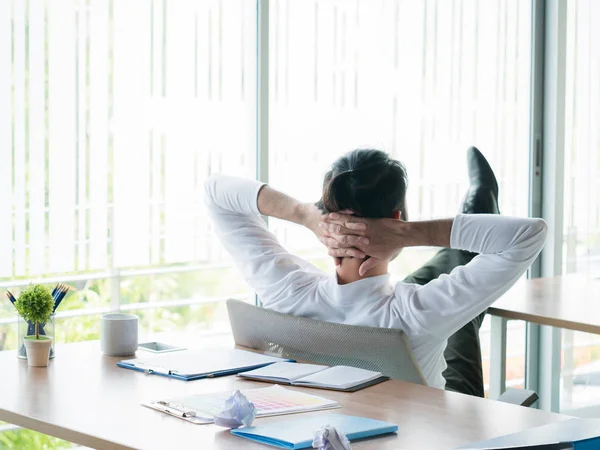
(159, 347)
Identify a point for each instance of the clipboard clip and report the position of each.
(148, 369)
(170, 409)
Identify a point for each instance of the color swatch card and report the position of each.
(299, 433)
(270, 401)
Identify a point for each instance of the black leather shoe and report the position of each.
(482, 196)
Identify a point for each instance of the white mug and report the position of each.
(118, 334)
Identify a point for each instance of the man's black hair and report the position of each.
(367, 181)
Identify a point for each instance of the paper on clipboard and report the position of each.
(270, 401)
(195, 364)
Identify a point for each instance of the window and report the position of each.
(582, 141)
(113, 113)
(421, 80)
(581, 248)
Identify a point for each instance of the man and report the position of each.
(441, 298)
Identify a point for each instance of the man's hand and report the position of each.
(311, 217)
(381, 239)
(359, 237)
(273, 203)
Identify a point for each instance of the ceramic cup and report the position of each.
(118, 334)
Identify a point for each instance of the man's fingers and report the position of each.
(335, 242)
(356, 226)
(331, 228)
(358, 240)
(343, 241)
(350, 240)
(331, 242)
(345, 252)
(368, 265)
(336, 228)
(348, 221)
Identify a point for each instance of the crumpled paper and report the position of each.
(237, 411)
(328, 438)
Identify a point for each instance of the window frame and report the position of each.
(546, 154)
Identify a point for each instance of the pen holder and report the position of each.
(28, 329)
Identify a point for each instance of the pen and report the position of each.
(59, 293)
(11, 297)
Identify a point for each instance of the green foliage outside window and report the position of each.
(135, 290)
(30, 440)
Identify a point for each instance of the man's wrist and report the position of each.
(438, 233)
(431, 233)
(415, 234)
(276, 204)
(300, 214)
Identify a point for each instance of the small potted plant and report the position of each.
(35, 305)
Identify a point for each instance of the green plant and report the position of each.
(35, 305)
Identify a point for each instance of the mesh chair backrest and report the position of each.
(383, 350)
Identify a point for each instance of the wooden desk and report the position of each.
(85, 398)
(571, 302)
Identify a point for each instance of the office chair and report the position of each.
(384, 350)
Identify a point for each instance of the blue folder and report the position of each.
(190, 365)
(574, 434)
(299, 433)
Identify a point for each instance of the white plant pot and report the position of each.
(38, 351)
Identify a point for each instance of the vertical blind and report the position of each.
(422, 80)
(112, 114)
(582, 139)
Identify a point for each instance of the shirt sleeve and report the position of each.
(276, 275)
(506, 245)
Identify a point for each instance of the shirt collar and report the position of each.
(372, 288)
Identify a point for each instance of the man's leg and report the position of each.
(463, 353)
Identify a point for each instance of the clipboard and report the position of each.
(271, 401)
(190, 365)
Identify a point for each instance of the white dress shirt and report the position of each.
(428, 314)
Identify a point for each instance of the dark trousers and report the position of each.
(463, 353)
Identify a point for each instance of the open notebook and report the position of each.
(338, 378)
